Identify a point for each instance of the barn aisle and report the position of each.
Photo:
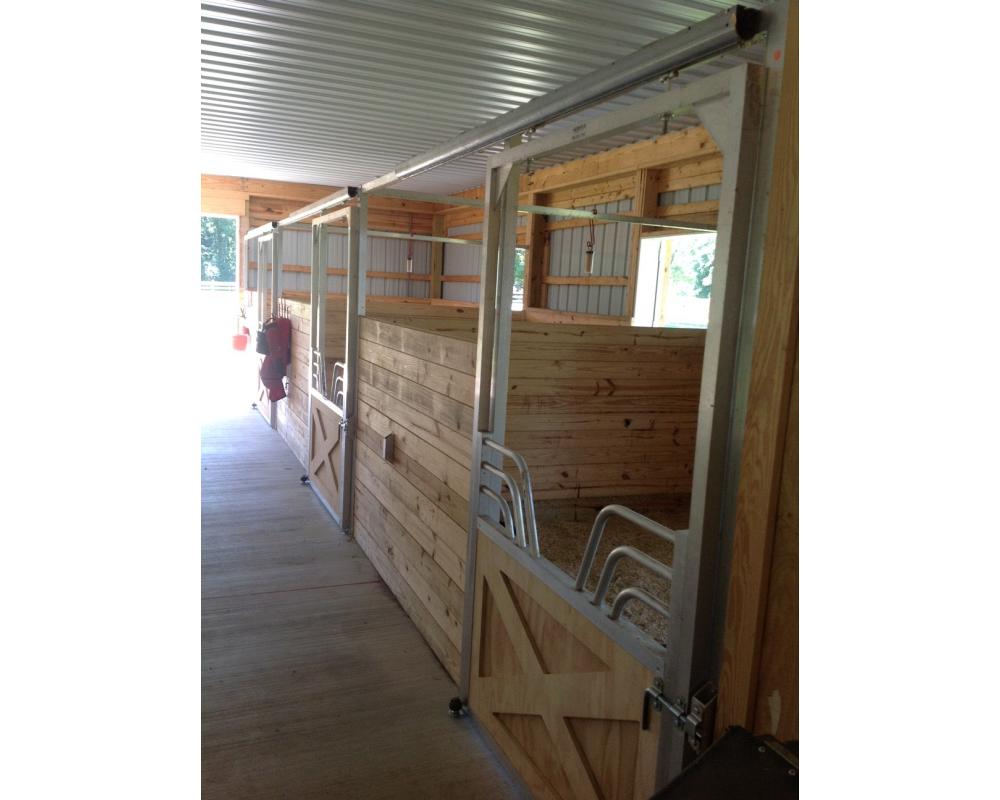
(314, 681)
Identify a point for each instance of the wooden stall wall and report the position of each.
(411, 512)
(602, 411)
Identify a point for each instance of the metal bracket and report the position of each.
(695, 716)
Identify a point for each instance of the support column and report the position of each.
(437, 257)
(357, 262)
(496, 289)
(275, 297)
(773, 360)
(536, 265)
(691, 661)
(643, 205)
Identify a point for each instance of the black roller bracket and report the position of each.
(747, 21)
(456, 707)
(304, 479)
(253, 406)
(352, 191)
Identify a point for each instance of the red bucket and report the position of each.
(240, 341)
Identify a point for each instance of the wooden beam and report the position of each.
(397, 276)
(438, 228)
(689, 143)
(768, 406)
(243, 263)
(536, 259)
(544, 315)
(585, 280)
(643, 205)
(220, 185)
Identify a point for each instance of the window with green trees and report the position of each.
(517, 301)
(218, 249)
(674, 284)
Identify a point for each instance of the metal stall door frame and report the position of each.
(730, 106)
(333, 399)
(267, 409)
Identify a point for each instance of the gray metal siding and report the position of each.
(296, 248)
(698, 194)
(385, 255)
(263, 262)
(389, 255)
(611, 252)
(336, 249)
(462, 259)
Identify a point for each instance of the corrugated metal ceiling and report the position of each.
(341, 92)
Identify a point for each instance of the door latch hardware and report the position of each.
(695, 716)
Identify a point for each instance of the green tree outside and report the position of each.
(691, 262)
(218, 249)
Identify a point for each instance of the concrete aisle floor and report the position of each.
(314, 681)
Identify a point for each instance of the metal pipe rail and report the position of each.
(703, 40)
(318, 371)
(515, 493)
(504, 509)
(640, 596)
(597, 531)
(614, 557)
(529, 495)
(339, 379)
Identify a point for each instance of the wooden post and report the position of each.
(643, 205)
(536, 259)
(768, 410)
(242, 261)
(660, 314)
(437, 257)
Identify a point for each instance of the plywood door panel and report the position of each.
(561, 700)
(326, 455)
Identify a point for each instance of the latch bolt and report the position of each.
(694, 717)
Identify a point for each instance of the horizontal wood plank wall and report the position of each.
(293, 411)
(599, 410)
(596, 410)
(411, 512)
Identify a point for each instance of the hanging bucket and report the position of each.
(240, 341)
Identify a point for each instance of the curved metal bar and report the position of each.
(504, 509)
(616, 555)
(318, 372)
(529, 499)
(515, 493)
(597, 531)
(639, 595)
(338, 389)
